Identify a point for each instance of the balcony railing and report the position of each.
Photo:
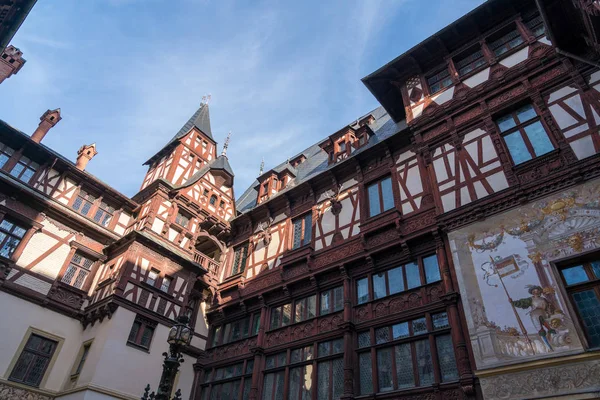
(208, 263)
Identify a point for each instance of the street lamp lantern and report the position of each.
(180, 336)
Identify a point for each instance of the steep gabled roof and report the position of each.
(199, 120)
(219, 163)
(317, 159)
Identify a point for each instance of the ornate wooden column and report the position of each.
(348, 328)
(259, 352)
(451, 299)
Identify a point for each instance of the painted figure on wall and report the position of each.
(505, 267)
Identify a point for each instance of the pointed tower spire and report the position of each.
(226, 145)
(262, 167)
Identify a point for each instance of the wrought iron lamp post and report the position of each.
(179, 336)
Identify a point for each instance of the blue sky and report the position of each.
(127, 74)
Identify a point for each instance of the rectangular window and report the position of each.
(524, 134)
(166, 284)
(5, 154)
(104, 214)
(83, 203)
(439, 81)
(281, 316)
(332, 300)
(216, 336)
(362, 290)
(33, 361)
(506, 42)
(77, 271)
(302, 231)
(402, 363)
(381, 197)
(255, 324)
(273, 386)
(84, 354)
(229, 382)
(582, 282)
(432, 270)
(152, 277)
(236, 330)
(300, 383)
(240, 257)
(470, 62)
(141, 332)
(11, 234)
(182, 220)
(24, 169)
(305, 308)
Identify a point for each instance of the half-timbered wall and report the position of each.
(265, 257)
(334, 224)
(467, 172)
(212, 185)
(577, 114)
(410, 182)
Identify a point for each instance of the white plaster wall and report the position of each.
(31, 315)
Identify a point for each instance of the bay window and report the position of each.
(409, 354)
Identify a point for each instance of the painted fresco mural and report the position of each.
(513, 304)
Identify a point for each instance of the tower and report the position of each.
(11, 62)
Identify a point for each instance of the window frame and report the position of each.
(378, 182)
(502, 40)
(474, 63)
(304, 240)
(419, 261)
(145, 324)
(535, 21)
(210, 379)
(593, 284)
(23, 349)
(9, 234)
(241, 254)
(26, 166)
(304, 302)
(102, 212)
(441, 76)
(79, 268)
(5, 152)
(218, 332)
(85, 198)
(182, 216)
(520, 128)
(429, 336)
(332, 306)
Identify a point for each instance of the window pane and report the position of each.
(326, 302)
(338, 297)
(424, 363)
(506, 122)
(300, 310)
(364, 339)
(362, 289)
(379, 286)
(413, 277)
(588, 305)
(388, 195)
(596, 268)
(404, 366)
(311, 306)
(517, 148)
(297, 233)
(382, 335)
(526, 113)
(432, 270)
(374, 205)
(396, 281)
(323, 388)
(419, 326)
(366, 374)
(294, 383)
(338, 378)
(539, 138)
(440, 321)
(400, 330)
(575, 275)
(384, 370)
(307, 228)
(287, 314)
(445, 352)
(275, 317)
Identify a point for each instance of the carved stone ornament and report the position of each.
(265, 231)
(13, 393)
(542, 382)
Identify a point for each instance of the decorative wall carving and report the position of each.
(13, 393)
(544, 382)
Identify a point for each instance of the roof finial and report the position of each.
(226, 145)
(205, 100)
(262, 167)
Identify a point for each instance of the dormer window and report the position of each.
(536, 25)
(505, 41)
(439, 81)
(470, 61)
(342, 147)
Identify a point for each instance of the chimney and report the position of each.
(85, 154)
(11, 61)
(47, 121)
